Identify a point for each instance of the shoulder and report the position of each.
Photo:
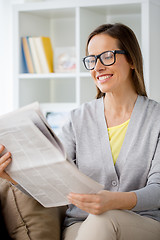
(146, 101)
(151, 104)
(86, 115)
(149, 108)
(87, 109)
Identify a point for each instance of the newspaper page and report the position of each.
(39, 162)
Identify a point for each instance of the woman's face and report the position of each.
(109, 78)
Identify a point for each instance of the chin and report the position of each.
(105, 90)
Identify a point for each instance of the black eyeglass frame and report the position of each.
(99, 57)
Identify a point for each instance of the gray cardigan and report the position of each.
(86, 141)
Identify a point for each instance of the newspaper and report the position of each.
(39, 162)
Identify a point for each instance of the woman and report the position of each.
(114, 140)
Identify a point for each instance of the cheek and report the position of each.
(93, 75)
(124, 69)
(94, 79)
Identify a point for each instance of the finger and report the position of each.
(5, 157)
(7, 177)
(90, 203)
(83, 197)
(1, 148)
(87, 207)
(81, 204)
(5, 164)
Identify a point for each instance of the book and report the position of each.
(39, 162)
(45, 53)
(28, 62)
(24, 67)
(30, 54)
(35, 55)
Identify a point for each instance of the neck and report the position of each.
(118, 108)
(119, 103)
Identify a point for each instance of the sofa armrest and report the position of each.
(27, 219)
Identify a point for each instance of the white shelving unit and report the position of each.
(68, 23)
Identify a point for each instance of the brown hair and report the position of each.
(128, 42)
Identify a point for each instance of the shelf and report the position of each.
(52, 75)
(46, 76)
(85, 74)
(55, 13)
(46, 90)
(117, 9)
(68, 23)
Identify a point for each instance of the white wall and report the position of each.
(5, 56)
(6, 70)
(6, 78)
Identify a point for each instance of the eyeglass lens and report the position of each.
(106, 58)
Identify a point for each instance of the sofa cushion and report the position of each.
(3, 230)
(25, 218)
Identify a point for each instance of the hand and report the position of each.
(103, 201)
(93, 203)
(5, 160)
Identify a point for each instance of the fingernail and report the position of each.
(1, 146)
(8, 154)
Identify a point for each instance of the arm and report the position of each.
(5, 160)
(103, 201)
(94, 203)
(67, 137)
(146, 198)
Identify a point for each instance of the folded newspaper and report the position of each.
(39, 162)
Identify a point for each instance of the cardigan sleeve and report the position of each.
(67, 137)
(148, 198)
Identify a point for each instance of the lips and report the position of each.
(103, 78)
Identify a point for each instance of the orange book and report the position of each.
(27, 55)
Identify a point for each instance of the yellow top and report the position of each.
(116, 138)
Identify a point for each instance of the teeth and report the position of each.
(104, 77)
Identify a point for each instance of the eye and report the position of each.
(89, 60)
(107, 55)
(92, 61)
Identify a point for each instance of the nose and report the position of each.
(99, 66)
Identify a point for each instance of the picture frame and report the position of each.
(64, 59)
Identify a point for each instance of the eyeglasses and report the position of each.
(107, 58)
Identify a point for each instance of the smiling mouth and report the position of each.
(105, 77)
